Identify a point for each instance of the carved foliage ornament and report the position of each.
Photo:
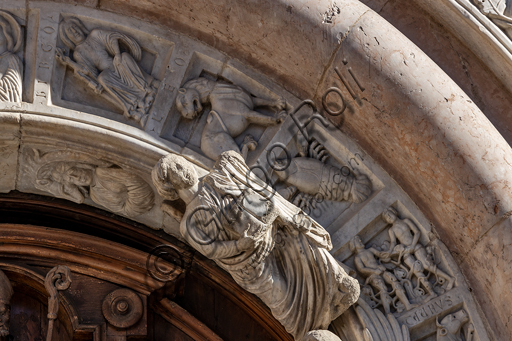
(77, 176)
(107, 62)
(11, 66)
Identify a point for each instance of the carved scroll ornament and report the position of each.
(77, 176)
(99, 61)
(268, 245)
(11, 66)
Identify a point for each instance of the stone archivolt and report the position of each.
(273, 250)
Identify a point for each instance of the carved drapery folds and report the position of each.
(100, 61)
(11, 66)
(268, 245)
(77, 176)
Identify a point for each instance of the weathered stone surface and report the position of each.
(411, 118)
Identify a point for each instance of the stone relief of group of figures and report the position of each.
(401, 274)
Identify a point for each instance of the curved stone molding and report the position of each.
(403, 110)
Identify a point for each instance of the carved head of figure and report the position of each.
(389, 277)
(356, 244)
(451, 325)
(192, 95)
(171, 173)
(66, 179)
(5, 304)
(390, 215)
(188, 103)
(72, 32)
(10, 33)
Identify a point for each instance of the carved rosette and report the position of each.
(122, 308)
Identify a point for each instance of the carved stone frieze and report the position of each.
(77, 176)
(402, 273)
(268, 245)
(11, 66)
(107, 62)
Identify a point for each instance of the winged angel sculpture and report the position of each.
(101, 63)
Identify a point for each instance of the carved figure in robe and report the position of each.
(408, 249)
(499, 11)
(377, 275)
(234, 219)
(5, 304)
(313, 178)
(75, 176)
(98, 59)
(11, 66)
(232, 111)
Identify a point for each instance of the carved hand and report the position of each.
(60, 54)
(281, 116)
(280, 104)
(246, 242)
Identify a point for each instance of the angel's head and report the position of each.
(72, 32)
(65, 179)
(173, 172)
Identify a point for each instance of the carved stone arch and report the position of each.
(446, 147)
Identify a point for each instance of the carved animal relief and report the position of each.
(78, 176)
(107, 62)
(11, 66)
(232, 111)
